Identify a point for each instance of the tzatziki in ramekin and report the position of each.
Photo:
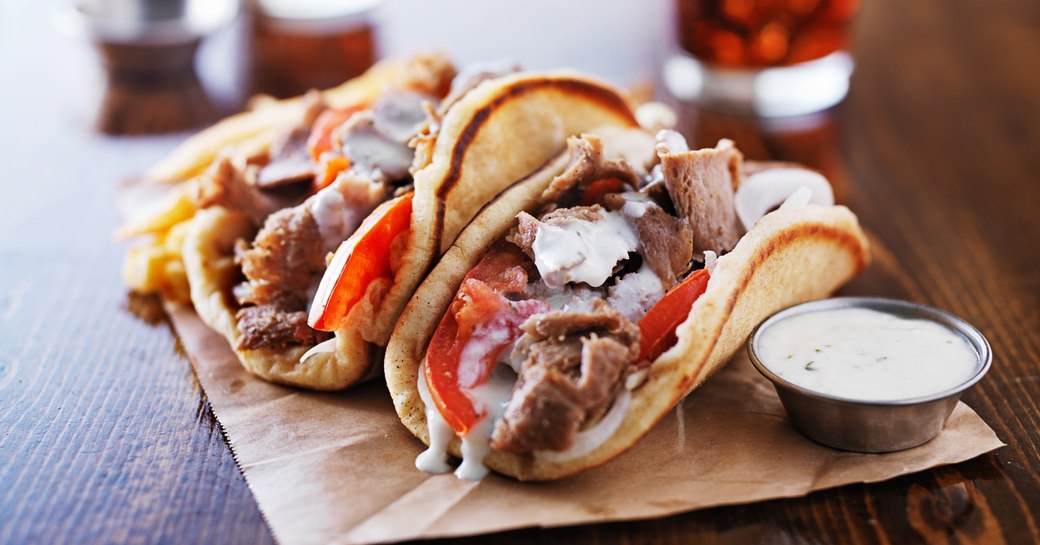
(868, 374)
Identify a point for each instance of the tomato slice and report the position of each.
(328, 170)
(657, 328)
(471, 336)
(600, 188)
(360, 260)
(320, 139)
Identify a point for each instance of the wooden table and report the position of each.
(105, 435)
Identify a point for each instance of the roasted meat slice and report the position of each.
(701, 184)
(574, 365)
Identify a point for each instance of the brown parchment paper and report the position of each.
(339, 468)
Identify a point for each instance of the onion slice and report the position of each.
(763, 191)
(323, 347)
(588, 440)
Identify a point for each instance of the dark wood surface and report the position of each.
(105, 435)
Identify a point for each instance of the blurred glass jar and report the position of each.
(767, 57)
(147, 48)
(298, 45)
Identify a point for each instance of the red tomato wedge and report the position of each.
(478, 326)
(600, 188)
(328, 170)
(360, 260)
(657, 328)
(320, 139)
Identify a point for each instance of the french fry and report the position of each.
(175, 207)
(156, 266)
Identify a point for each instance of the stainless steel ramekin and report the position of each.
(872, 426)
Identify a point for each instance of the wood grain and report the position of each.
(105, 436)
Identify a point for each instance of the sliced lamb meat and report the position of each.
(666, 242)
(588, 164)
(290, 163)
(289, 160)
(575, 362)
(286, 257)
(563, 356)
(603, 364)
(601, 318)
(232, 185)
(701, 184)
(582, 244)
(566, 216)
(276, 325)
(635, 147)
(544, 414)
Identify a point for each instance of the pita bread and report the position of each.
(788, 257)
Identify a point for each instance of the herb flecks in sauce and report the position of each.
(866, 354)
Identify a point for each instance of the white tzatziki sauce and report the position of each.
(493, 397)
(435, 458)
(583, 251)
(337, 218)
(635, 293)
(865, 354)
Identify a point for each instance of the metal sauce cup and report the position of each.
(872, 426)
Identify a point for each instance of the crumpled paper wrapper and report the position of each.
(339, 468)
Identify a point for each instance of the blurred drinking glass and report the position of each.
(767, 57)
(147, 48)
(309, 44)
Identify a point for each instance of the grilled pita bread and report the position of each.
(788, 257)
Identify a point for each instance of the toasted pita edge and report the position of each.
(788, 257)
